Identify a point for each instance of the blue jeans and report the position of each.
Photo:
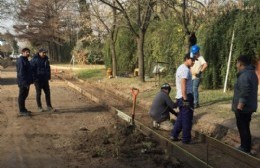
(195, 87)
(184, 121)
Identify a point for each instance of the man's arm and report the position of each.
(48, 68)
(21, 72)
(183, 88)
(169, 102)
(204, 66)
(245, 89)
(33, 68)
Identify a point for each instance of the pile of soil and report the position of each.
(120, 145)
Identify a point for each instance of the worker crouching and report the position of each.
(161, 108)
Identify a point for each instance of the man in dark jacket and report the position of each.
(161, 108)
(245, 100)
(24, 79)
(41, 75)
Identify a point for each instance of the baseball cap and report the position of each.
(166, 86)
(43, 50)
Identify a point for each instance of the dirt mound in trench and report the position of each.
(120, 146)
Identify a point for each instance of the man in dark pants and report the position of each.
(245, 100)
(161, 108)
(185, 100)
(41, 76)
(24, 79)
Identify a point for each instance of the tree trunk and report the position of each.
(140, 55)
(187, 37)
(113, 36)
(113, 55)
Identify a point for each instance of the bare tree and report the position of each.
(45, 23)
(189, 14)
(136, 14)
(111, 28)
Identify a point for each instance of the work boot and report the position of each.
(196, 105)
(24, 113)
(243, 150)
(174, 139)
(40, 109)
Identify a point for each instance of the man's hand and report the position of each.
(198, 75)
(185, 103)
(240, 106)
(174, 113)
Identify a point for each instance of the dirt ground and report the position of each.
(80, 134)
(213, 118)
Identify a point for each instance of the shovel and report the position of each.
(135, 92)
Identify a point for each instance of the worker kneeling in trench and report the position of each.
(161, 108)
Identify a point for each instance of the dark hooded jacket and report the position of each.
(24, 72)
(41, 70)
(245, 90)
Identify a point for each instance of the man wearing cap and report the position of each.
(161, 108)
(184, 98)
(41, 75)
(197, 69)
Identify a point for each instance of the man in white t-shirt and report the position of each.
(199, 66)
(184, 98)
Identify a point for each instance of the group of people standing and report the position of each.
(188, 76)
(36, 71)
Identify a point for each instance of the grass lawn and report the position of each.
(91, 74)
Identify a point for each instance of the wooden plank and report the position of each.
(241, 156)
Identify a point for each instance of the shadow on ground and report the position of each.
(8, 81)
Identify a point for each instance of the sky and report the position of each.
(6, 25)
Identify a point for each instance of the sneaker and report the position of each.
(27, 111)
(196, 105)
(40, 109)
(156, 124)
(174, 139)
(243, 150)
(50, 109)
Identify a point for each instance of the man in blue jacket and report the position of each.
(41, 75)
(245, 100)
(24, 79)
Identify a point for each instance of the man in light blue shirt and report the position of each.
(185, 100)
